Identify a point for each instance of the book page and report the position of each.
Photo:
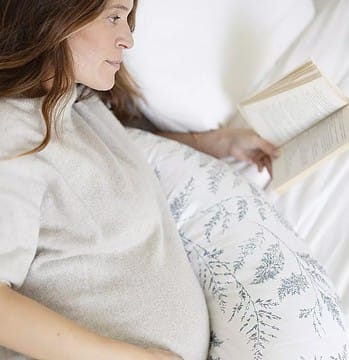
(310, 147)
(301, 75)
(281, 117)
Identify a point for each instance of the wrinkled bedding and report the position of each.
(318, 206)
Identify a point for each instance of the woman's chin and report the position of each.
(104, 87)
(101, 85)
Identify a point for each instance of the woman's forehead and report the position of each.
(125, 5)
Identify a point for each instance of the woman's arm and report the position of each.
(32, 329)
(190, 138)
(243, 144)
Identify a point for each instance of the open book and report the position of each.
(306, 116)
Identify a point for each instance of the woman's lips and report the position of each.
(115, 64)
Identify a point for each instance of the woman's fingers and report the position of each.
(264, 161)
(267, 147)
(258, 157)
(268, 165)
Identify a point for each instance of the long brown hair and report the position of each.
(33, 37)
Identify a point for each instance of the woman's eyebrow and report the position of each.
(119, 7)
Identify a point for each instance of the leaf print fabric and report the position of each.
(267, 297)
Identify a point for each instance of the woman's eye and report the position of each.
(114, 19)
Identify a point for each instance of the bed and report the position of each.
(198, 59)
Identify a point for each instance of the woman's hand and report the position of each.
(59, 337)
(243, 144)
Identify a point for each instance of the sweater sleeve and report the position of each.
(21, 194)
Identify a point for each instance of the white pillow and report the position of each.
(195, 59)
(325, 41)
(267, 297)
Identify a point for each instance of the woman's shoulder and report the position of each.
(20, 112)
(21, 124)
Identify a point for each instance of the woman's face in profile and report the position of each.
(98, 47)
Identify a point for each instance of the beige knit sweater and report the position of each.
(86, 231)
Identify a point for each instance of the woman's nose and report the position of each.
(125, 41)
